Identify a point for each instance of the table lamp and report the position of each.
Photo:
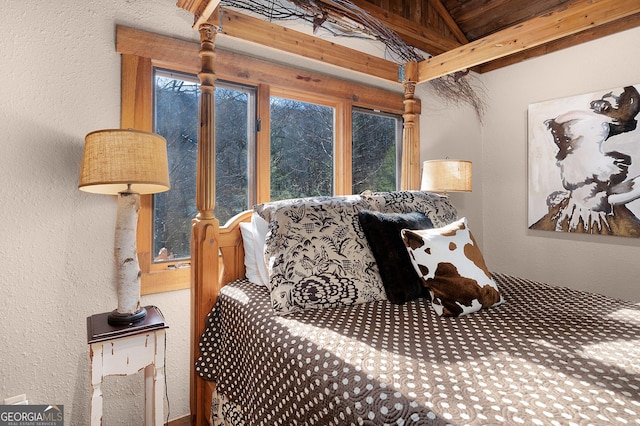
(125, 163)
(446, 176)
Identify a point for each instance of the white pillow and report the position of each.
(254, 234)
(259, 228)
(250, 264)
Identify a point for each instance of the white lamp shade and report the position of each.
(446, 176)
(114, 159)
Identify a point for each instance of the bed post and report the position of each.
(205, 227)
(410, 177)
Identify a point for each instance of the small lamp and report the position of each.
(127, 163)
(446, 176)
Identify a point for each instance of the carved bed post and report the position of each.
(410, 177)
(205, 227)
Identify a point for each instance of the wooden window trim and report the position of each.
(143, 51)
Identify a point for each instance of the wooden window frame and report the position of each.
(143, 51)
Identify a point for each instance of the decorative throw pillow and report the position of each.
(317, 253)
(267, 210)
(318, 256)
(401, 283)
(253, 238)
(451, 265)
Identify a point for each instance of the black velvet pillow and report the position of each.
(400, 280)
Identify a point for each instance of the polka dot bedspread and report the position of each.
(547, 356)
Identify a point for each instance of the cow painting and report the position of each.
(593, 142)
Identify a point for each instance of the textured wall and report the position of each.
(61, 80)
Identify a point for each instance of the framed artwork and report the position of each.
(584, 163)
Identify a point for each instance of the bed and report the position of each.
(536, 355)
(525, 362)
(541, 355)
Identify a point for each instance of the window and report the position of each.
(176, 118)
(160, 93)
(376, 145)
(302, 145)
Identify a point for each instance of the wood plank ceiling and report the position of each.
(480, 34)
(466, 21)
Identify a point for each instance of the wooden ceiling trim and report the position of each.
(563, 43)
(162, 48)
(579, 16)
(411, 32)
(477, 19)
(255, 30)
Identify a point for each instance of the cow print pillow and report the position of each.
(451, 265)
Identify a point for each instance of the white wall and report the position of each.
(453, 131)
(61, 80)
(602, 264)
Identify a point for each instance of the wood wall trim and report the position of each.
(183, 55)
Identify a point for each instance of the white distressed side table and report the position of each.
(124, 350)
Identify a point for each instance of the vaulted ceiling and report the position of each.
(482, 35)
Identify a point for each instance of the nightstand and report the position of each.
(124, 350)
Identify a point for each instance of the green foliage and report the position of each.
(302, 154)
(374, 151)
(177, 120)
(301, 149)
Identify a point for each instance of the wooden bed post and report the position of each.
(410, 177)
(205, 227)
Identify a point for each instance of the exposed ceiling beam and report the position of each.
(413, 34)
(563, 43)
(244, 27)
(574, 18)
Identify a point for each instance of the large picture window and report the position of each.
(280, 137)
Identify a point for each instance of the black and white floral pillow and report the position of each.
(317, 253)
(318, 256)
